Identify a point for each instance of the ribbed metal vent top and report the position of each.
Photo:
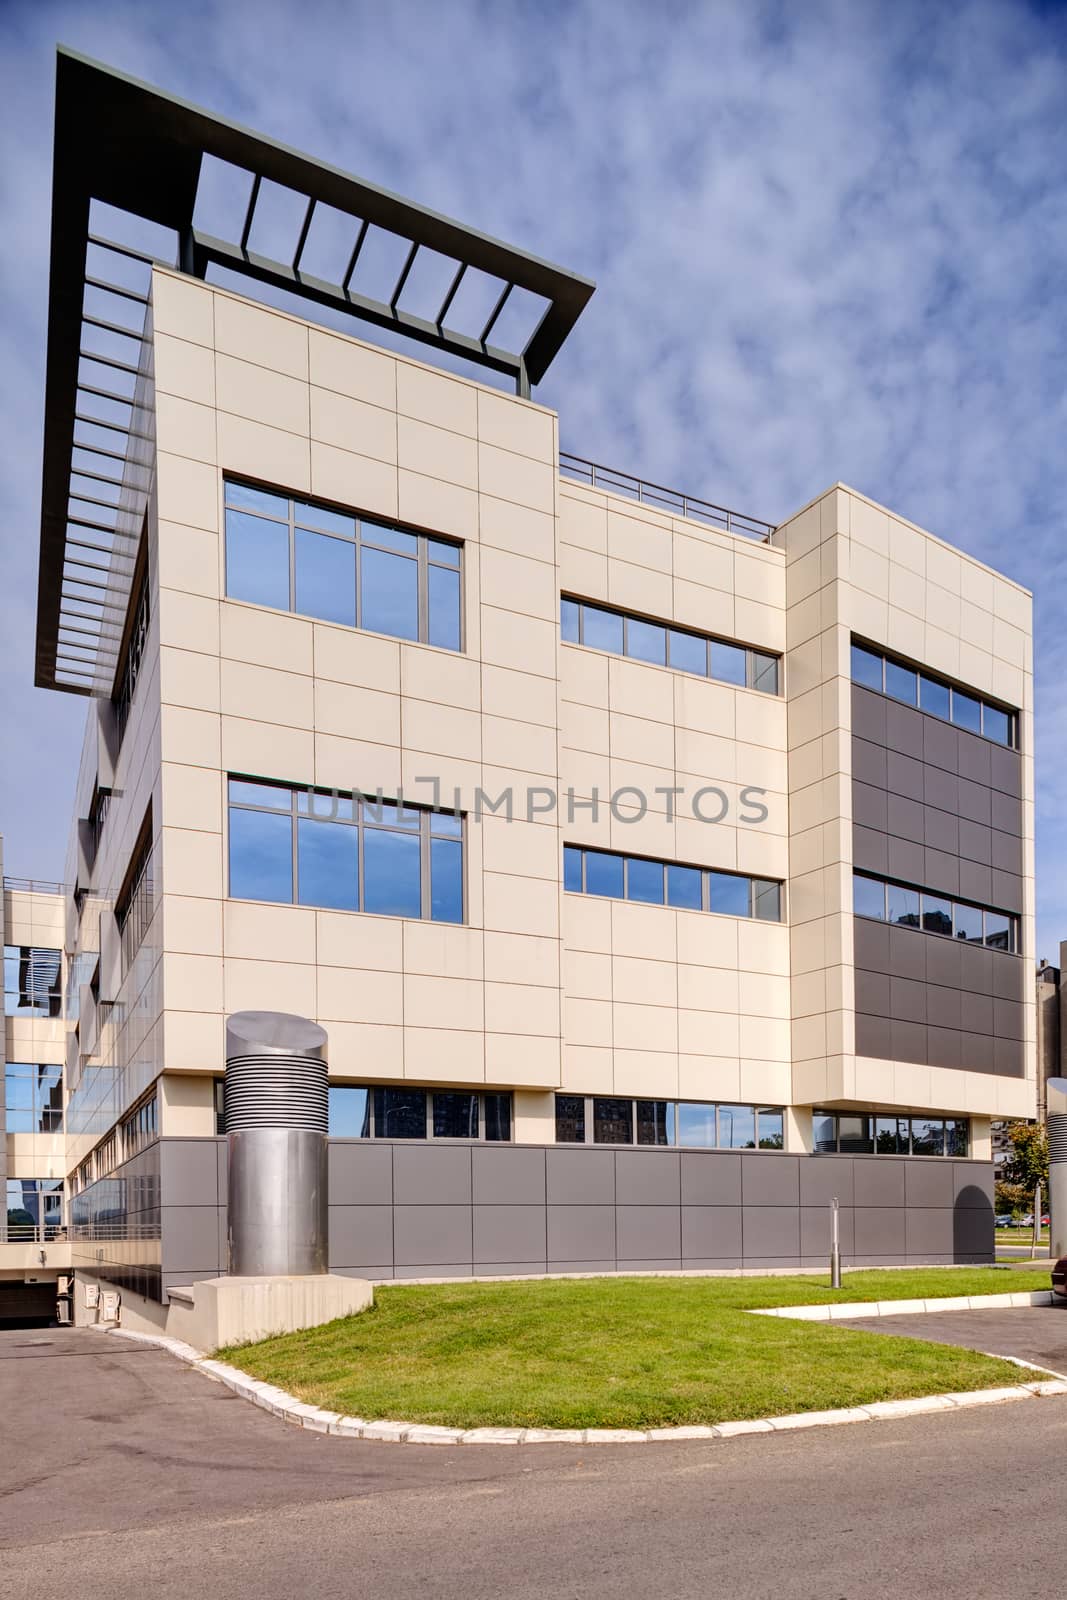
(275, 1091)
(1057, 1137)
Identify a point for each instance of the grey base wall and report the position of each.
(409, 1210)
(404, 1211)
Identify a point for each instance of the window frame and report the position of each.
(706, 875)
(430, 1137)
(753, 654)
(984, 702)
(358, 802)
(45, 1118)
(423, 558)
(949, 1121)
(1013, 918)
(672, 1121)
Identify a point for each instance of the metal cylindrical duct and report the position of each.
(276, 1123)
(1056, 1103)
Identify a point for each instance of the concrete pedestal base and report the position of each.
(223, 1311)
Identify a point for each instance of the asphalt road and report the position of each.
(123, 1473)
(1035, 1333)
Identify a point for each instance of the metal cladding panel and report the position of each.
(892, 1209)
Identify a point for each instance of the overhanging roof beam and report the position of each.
(403, 278)
(302, 241)
(253, 197)
(446, 303)
(494, 314)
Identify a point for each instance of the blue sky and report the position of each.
(829, 242)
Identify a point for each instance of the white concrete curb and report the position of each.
(290, 1409)
(840, 1311)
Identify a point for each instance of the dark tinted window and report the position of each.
(613, 1121)
(570, 1119)
(400, 1113)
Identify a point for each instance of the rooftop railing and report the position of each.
(661, 499)
(35, 886)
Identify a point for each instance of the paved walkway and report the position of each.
(124, 1473)
(1033, 1333)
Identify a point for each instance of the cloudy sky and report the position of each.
(829, 241)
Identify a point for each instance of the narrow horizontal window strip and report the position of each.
(926, 911)
(663, 644)
(335, 565)
(936, 696)
(887, 1133)
(610, 875)
(708, 1125)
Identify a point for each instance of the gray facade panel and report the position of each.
(770, 1231)
(431, 1174)
(360, 1235)
(929, 1183)
(711, 1233)
(508, 1177)
(877, 1181)
(361, 1174)
(189, 1172)
(431, 1235)
(581, 1232)
(580, 1177)
(953, 824)
(932, 1229)
(510, 1233)
(770, 1180)
(647, 1177)
(824, 1178)
(783, 1220)
(880, 1230)
(652, 1233)
(190, 1236)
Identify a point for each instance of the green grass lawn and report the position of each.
(621, 1352)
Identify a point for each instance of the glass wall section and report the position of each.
(886, 1134)
(624, 634)
(601, 1119)
(33, 1211)
(348, 853)
(358, 1112)
(317, 561)
(936, 696)
(32, 981)
(618, 877)
(33, 1098)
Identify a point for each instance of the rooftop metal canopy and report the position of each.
(123, 144)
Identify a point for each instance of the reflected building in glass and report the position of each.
(655, 871)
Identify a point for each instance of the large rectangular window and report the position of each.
(32, 983)
(887, 1134)
(135, 903)
(33, 1098)
(302, 556)
(383, 1113)
(349, 853)
(33, 1211)
(666, 883)
(597, 1119)
(936, 696)
(934, 913)
(660, 644)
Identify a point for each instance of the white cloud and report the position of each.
(828, 242)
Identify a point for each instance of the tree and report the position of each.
(1027, 1162)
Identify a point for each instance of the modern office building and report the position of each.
(657, 873)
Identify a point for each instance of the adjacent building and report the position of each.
(657, 873)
